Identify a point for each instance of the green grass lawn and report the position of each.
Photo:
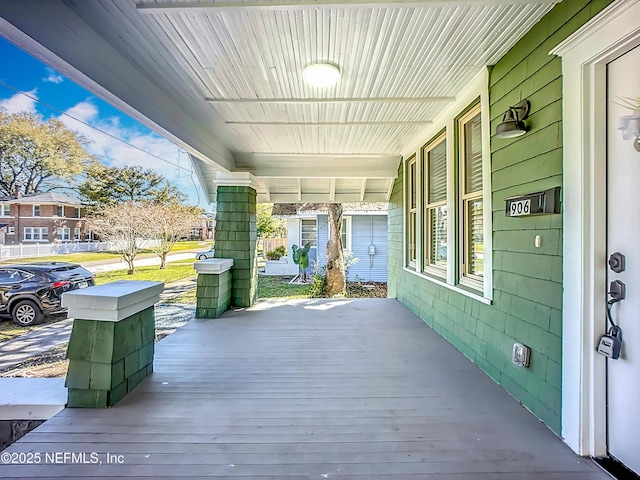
(277, 287)
(94, 256)
(174, 272)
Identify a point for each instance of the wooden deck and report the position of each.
(310, 389)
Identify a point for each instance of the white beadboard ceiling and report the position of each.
(224, 79)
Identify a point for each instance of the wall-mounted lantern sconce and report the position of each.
(630, 126)
(512, 122)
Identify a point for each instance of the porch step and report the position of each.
(31, 398)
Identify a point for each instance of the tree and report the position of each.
(266, 225)
(39, 156)
(105, 185)
(166, 224)
(335, 271)
(121, 225)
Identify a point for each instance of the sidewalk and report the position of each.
(148, 260)
(46, 337)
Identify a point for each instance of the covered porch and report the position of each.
(307, 389)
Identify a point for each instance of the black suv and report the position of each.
(29, 292)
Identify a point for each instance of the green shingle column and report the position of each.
(112, 341)
(213, 292)
(236, 239)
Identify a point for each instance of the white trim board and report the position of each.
(585, 54)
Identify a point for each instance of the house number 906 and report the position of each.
(520, 207)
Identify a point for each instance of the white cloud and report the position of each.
(53, 76)
(83, 111)
(20, 102)
(112, 151)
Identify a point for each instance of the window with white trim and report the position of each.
(60, 210)
(36, 210)
(11, 230)
(435, 205)
(346, 233)
(309, 232)
(471, 217)
(33, 234)
(76, 213)
(412, 204)
(76, 233)
(5, 210)
(63, 233)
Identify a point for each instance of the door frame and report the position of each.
(585, 55)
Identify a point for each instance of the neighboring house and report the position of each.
(41, 218)
(364, 235)
(203, 227)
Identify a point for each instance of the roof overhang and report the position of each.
(223, 79)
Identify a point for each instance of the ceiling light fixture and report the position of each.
(321, 74)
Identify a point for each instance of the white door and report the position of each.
(623, 235)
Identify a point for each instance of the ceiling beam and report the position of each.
(328, 124)
(363, 188)
(314, 101)
(322, 4)
(332, 189)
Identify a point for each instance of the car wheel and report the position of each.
(26, 313)
(201, 257)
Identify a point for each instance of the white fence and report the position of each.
(44, 249)
(60, 248)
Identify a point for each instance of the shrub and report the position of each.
(276, 253)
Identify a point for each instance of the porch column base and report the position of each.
(112, 341)
(213, 291)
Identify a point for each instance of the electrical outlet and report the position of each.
(521, 355)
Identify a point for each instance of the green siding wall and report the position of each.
(527, 281)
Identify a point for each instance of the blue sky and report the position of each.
(23, 72)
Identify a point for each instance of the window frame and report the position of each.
(315, 239)
(465, 199)
(65, 236)
(76, 212)
(60, 211)
(427, 207)
(42, 234)
(33, 210)
(5, 210)
(77, 234)
(411, 212)
(477, 92)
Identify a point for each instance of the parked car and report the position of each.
(204, 255)
(30, 292)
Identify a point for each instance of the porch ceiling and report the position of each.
(224, 80)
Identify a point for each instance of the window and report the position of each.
(412, 202)
(76, 213)
(471, 203)
(36, 233)
(60, 210)
(5, 210)
(309, 232)
(435, 205)
(63, 233)
(346, 233)
(76, 233)
(11, 230)
(36, 210)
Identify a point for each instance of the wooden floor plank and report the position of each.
(310, 389)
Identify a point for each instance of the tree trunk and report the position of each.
(163, 260)
(336, 282)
